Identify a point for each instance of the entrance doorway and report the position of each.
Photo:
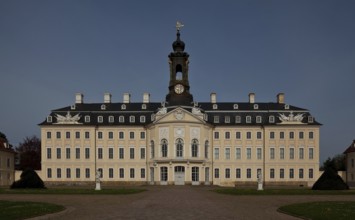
(179, 175)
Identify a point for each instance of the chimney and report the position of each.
(126, 98)
(79, 98)
(251, 97)
(281, 98)
(146, 97)
(213, 97)
(107, 98)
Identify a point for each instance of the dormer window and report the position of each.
(235, 106)
(258, 119)
(205, 117)
(271, 119)
(248, 119)
(49, 119)
(87, 118)
(132, 119)
(152, 117)
(100, 119)
(287, 106)
(227, 119)
(111, 119)
(144, 106)
(310, 119)
(215, 106)
(121, 119)
(123, 106)
(256, 106)
(238, 119)
(103, 107)
(142, 118)
(72, 107)
(216, 119)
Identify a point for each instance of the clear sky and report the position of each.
(50, 50)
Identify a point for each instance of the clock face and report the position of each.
(179, 88)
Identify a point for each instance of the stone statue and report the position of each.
(97, 180)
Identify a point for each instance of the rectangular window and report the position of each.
(216, 119)
(238, 119)
(77, 135)
(300, 173)
(228, 173)
(238, 173)
(238, 135)
(58, 135)
(301, 135)
(67, 135)
(272, 153)
(272, 135)
(121, 172)
(59, 173)
(99, 153)
(142, 119)
(49, 135)
(258, 119)
(238, 154)
(282, 173)
(282, 153)
(131, 173)
(110, 173)
(142, 135)
(259, 153)
(87, 153)
(110, 135)
(272, 173)
(131, 153)
(248, 119)
(87, 173)
(49, 173)
(248, 135)
(216, 173)
(87, 135)
(228, 153)
(49, 153)
(68, 173)
(142, 153)
(121, 153)
(99, 135)
(282, 135)
(110, 153)
(227, 135)
(59, 153)
(67, 153)
(216, 135)
(77, 172)
(310, 153)
(121, 135)
(248, 173)
(131, 135)
(292, 135)
(216, 153)
(291, 174)
(258, 135)
(292, 153)
(248, 153)
(111, 119)
(87, 118)
(301, 153)
(310, 135)
(142, 173)
(310, 173)
(77, 153)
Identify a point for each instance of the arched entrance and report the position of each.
(179, 175)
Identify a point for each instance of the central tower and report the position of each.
(179, 88)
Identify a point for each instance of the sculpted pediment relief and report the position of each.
(179, 115)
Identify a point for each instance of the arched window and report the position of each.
(179, 147)
(194, 148)
(206, 149)
(152, 149)
(164, 148)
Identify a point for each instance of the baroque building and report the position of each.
(350, 167)
(7, 163)
(181, 141)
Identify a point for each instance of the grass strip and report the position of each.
(288, 192)
(72, 191)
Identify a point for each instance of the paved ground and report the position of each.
(171, 202)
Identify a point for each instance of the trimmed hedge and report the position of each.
(29, 179)
(330, 180)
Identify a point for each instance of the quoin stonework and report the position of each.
(181, 141)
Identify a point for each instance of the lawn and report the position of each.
(321, 210)
(71, 191)
(21, 210)
(236, 191)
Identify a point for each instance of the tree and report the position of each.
(29, 179)
(29, 152)
(2, 135)
(330, 180)
(337, 163)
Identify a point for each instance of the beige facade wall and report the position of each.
(350, 169)
(7, 169)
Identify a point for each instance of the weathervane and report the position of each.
(179, 25)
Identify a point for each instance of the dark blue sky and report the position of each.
(50, 50)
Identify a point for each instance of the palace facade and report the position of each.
(181, 141)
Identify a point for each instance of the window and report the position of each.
(132, 119)
(258, 153)
(121, 153)
(238, 154)
(195, 174)
(271, 119)
(110, 173)
(77, 153)
(248, 153)
(282, 173)
(292, 135)
(291, 174)
(206, 149)
(216, 119)
(49, 135)
(310, 173)
(215, 106)
(131, 153)
(300, 173)
(77, 173)
(164, 148)
(248, 119)
(282, 135)
(121, 135)
(228, 173)
(59, 173)
(111, 119)
(272, 153)
(238, 135)
(49, 173)
(49, 153)
(100, 119)
(292, 153)
(144, 106)
(179, 148)
(49, 119)
(67, 153)
(68, 171)
(258, 135)
(87, 153)
(258, 119)
(142, 135)
(194, 148)
(248, 173)
(235, 106)
(227, 135)
(131, 135)
(216, 173)
(301, 153)
(238, 173)
(216, 153)
(58, 135)
(216, 135)
(228, 153)
(272, 135)
(248, 135)
(121, 173)
(163, 174)
(282, 153)
(142, 173)
(238, 119)
(110, 153)
(59, 153)
(256, 106)
(110, 135)
(310, 119)
(87, 173)
(121, 119)
(99, 135)
(310, 135)
(77, 135)
(87, 135)
(103, 107)
(99, 153)
(142, 153)
(301, 135)
(272, 173)
(152, 152)
(87, 119)
(227, 119)
(310, 153)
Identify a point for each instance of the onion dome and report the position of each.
(178, 45)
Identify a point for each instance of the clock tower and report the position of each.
(179, 88)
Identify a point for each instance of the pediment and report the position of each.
(180, 115)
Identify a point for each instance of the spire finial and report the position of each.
(179, 25)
